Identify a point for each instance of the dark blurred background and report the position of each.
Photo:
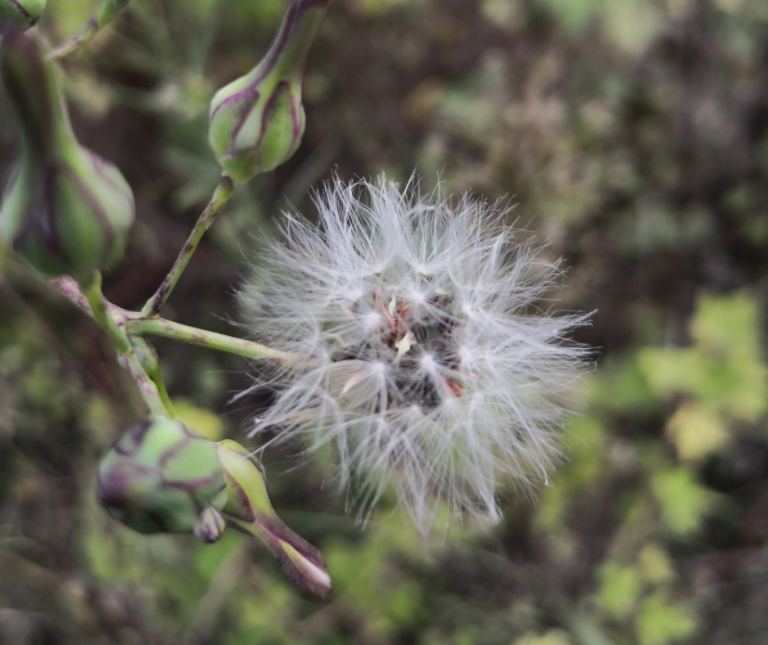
(633, 134)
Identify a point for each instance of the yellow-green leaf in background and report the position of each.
(660, 622)
(696, 430)
(620, 384)
(671, 370)
(583, 443)
(632, 24)
(726, 323)
(682, 500)
(619, 589)
(724, 368)
(204, 421)
(655, 566)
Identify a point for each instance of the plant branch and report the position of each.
(212, 340)
(100, 311)
(136, 327)
(147, 387)
(91, 289)
(109, 9)
(86, 35)
(220, 197)
(148, 358)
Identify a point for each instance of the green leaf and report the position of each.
(619, 589)
(697, 431)
(660, 622)
(655, 566)
(723, 368)
(682, 500)
(621, 385)
(204, 421)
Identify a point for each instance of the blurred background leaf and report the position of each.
(633, 137)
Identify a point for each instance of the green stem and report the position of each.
(212, 340)
(86, 35)
(149, 361)
(91, 289)
(136, 327)
(109, 9)
(148, 389)
(220, 197)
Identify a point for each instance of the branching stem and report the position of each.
(212, 340)
(100, 310)
(148, 359)
(147, 387)
(91, 289)
(126, 329)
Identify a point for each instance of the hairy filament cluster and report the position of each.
(433, 370)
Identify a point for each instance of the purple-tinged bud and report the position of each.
(210, 526)
(65, 210)
(249, 509)
(21, 13)
(257, 121)
(162, 477)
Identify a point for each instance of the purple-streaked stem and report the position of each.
(220, 197)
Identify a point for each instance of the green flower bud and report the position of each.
(21, 13)
(162, 477)
(258, 120)
(249, 509)
(65, 210)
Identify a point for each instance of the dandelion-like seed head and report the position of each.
(431, 366)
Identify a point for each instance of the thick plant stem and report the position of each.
(91, 289)
(212, 340)
(220, 197)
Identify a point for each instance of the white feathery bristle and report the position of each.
(433, 370)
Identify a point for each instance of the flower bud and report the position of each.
(211, 525)
(162, 477)
(249, 509)
(65, 210)
(258, 120)
(21, 13)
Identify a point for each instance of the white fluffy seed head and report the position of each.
(433, 371)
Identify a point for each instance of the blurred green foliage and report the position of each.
(634, 136)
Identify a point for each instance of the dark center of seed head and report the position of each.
(432, 334)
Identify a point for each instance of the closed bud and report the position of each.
(249, 509)
(162, 477)
(21, 13)
(258, 120)
(210, 526)
(65, 210)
